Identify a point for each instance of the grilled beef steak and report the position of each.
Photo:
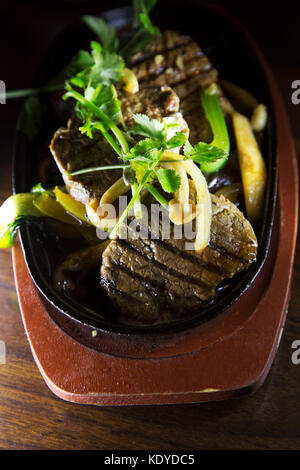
(176, 60)
(153, 280)
(74, 151)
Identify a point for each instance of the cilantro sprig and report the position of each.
(144, 30)
(143, 33)
(105, 32)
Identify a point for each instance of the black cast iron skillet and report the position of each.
(230, 51)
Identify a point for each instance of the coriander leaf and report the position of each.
(188, 149)
(145, 31)
(98, 67)
(169, 180)
(99, 107)
(147, 127)
(88, 110)
(203, 152)
(109, 66)
(140, 171)
(106, 33)
(176, 141)
(143, 151)
(148, 25)
(141, 10)
(81, 61)
(105, 98)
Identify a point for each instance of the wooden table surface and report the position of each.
(31, 417)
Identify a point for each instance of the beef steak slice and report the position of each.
(154, 280)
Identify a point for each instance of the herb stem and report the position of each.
(98, 168)
(156, 194)
(106, 120)
(110, 140)
(137, 202)
(126, 49)
(32, 91)
(133, 199)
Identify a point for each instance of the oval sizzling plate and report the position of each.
(236, 61)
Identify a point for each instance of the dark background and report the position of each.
(31, 417)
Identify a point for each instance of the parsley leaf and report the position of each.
(141, 18)
(203, 152)
(106, 33)
(144, 151)
(99, 107)
(169, 180)
(144, 126)
(99, 66)
(145, 31)
(105, 98)
(176, 141)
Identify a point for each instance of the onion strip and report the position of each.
(96, 209)
(203, 206)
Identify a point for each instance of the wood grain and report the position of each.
(31, 417)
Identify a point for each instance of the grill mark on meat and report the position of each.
(162, 266)
(189, 85)
(73, 151)
(179, 280)
(168, 41)
(189, 257)
(186, 293)
(167, 245)
(193, 61)
(148, 283)
(171, 75)
(155, 66)
(186, 69)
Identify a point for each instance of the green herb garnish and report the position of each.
(106, 33)
(144, 30)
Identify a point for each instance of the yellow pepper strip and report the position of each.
(252, 165)
(49, 207)
(71, 206)
(203, 204)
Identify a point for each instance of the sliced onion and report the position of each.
(97, 210)
(182, 195)
(203, 204)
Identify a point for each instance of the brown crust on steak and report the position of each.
(151, 280)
